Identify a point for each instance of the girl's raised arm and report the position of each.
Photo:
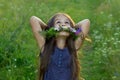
(38, 25)
(84, 25)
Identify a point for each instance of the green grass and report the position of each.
(19, 51)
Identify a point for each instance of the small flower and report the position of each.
(15, 66)
(15, 59)
(52, 32)
(78, 31)
(57, 29)
(64, 27)
(9, 70)
(72, 29)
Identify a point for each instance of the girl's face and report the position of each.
(61, 21)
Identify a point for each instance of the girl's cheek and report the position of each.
(68, 26)
(56, 26)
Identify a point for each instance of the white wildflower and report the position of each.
(15, 59)
(57, 29)
(72, 29)
(110, 15)
(15, 66)
(64, 27)
(101, 12)
(9, 70)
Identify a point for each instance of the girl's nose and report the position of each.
(62, 24)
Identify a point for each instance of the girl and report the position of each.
(58, 57)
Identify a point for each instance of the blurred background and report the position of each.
(100, 59)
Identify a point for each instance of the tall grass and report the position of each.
(19, 51)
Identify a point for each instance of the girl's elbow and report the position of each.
(32, 18)
(87, 21)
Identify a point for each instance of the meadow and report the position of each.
(19, 51)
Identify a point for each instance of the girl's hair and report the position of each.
(49, 48)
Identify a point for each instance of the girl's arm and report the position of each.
(37, 25)
(84, 25)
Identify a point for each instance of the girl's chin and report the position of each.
(64, 33)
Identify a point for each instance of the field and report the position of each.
(19, 50)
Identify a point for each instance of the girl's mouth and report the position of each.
(65, 28)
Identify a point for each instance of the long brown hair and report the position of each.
(49, 47)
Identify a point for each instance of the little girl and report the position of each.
(58, 57)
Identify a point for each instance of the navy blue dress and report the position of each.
(59, 66)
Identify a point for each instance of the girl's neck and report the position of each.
(60, 42)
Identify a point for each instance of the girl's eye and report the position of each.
(58, 22)
(66, 22)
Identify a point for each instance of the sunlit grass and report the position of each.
(19, 51)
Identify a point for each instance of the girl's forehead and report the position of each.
(61, 17)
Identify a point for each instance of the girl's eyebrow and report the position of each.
(67, 20)
(57, 19)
